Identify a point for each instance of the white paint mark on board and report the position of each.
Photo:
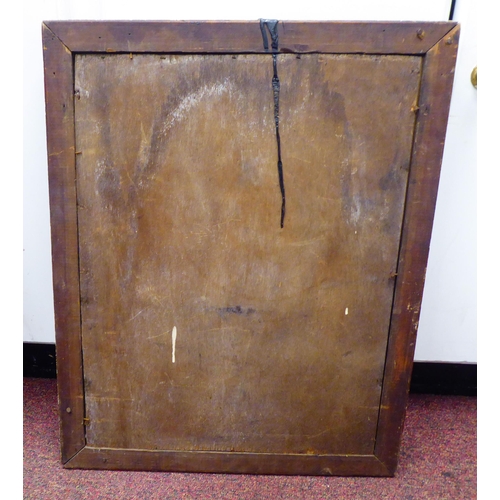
(346, 311)
(174, 340)
(193, 99)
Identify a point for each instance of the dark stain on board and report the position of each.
(239, 310)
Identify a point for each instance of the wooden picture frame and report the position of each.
(435, 44)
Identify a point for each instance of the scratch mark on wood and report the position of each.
(224, 328)
(56, 154)
(106, 398)
(307, 242)
(135, 316)
(169, 379)
(312, 436)
(60, 152)
(303, 160)
(155, 336)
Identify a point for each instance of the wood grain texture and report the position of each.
(58, 73)
(212, 340)
(179, 227)
(239, 37)
(241, 463)
(434, 102)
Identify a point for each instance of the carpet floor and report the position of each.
(438, 461)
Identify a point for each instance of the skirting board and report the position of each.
(460, 379)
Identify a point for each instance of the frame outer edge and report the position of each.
(227, 462)
(58, 80)
(437, 80)
(428, 147)
(362, 37)
(411, 37)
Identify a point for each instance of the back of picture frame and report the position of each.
(241, 214)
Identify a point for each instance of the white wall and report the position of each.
(447, 326)
(448, 319)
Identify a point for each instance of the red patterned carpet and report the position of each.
(438, 461)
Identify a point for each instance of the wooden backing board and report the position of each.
(193, 332)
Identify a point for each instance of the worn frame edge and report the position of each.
(384, 459)
(59, 108)
(227, 462)
(367, 37)
(423, 182)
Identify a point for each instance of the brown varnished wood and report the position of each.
(434, 102)
(242, 463)
(243, 36)
(58, 73)
(361, 37)
(283, 360)
(177, 234)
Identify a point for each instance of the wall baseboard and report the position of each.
(459, 379)
(39, 360)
